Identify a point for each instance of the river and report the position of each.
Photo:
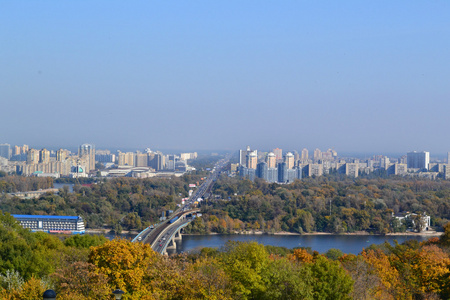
(322, 243)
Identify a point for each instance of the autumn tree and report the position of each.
(125, 265)
(81, 280)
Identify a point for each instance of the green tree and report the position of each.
(85, 241)
(286, 280)
(245, 263)
(329, 279)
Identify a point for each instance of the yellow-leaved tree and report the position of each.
(125, 264)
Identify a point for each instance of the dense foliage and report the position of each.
(324, 204)
(126, 203)
(90, 268)
(11, 184)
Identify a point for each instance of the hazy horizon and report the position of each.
(362, 77)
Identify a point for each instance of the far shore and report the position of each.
(258, 232)
(362, 233)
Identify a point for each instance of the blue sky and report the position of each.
(359, 76)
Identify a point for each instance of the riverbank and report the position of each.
(357, 233)
(281, 233)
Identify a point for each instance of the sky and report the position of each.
(356, 76)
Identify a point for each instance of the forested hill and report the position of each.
(118, 203)
(324, 204)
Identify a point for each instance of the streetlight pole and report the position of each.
(49, 295)
(118, 294)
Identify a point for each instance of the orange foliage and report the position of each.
(388, 275)
(301, 255)
(431, 269)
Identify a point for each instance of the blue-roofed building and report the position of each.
(52, 224)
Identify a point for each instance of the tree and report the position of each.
(26, 252)
(125, 265)
(301, 255)
(329, 279)
(390, 286)
(363, 275)
(132, 221)
(445, 238)
(85, 241)
(286, 280)
(81, 279)
(334, 254)
(431, 270)
(206, 279)
(244, 263)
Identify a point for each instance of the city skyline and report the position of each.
(362, 77)
(299, 150)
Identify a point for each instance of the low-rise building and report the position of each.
(52, 224)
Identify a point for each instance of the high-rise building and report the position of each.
(44, 156)
(447, 171)
(186, 156)
(289, 160)
(252, 160)
(282, 172)
(5, 151)
(278, 154)
(261, 170)
(243, 156)
(315, 170)
(141, 159)
(32, 156)
(317, 155)
(448, 157)
(61, 155)
(418, 160)
(352, 169)
(327, 156)
(105, 158)
(156, 161)
(272, 174)
(87, 152)
(170, 162)
(271, 160)
(305, 154)
(126, 159)
(384, 162)
(291, 175)
(17, 150)
(247, 173)
(296, 156)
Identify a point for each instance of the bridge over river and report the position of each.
(164, 234)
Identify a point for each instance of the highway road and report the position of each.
(160, 236)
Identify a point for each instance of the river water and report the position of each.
(322, 243)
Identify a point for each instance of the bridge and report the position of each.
(163, 236)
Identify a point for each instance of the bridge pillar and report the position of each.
(178, 235)
(172, 244)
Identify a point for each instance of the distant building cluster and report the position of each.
(28, 161)
(273, 166)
